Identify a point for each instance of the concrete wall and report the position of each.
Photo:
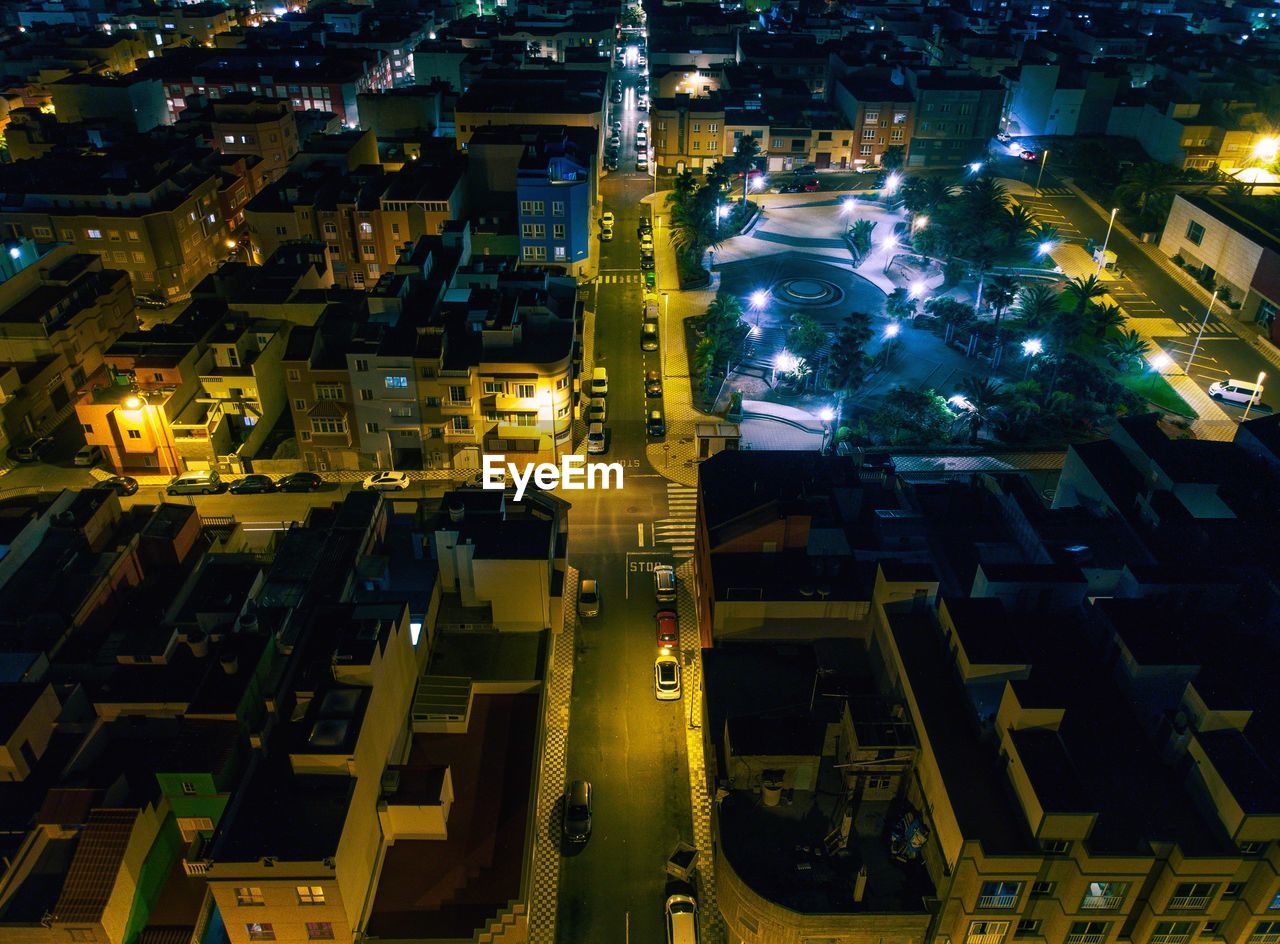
(1233, 256)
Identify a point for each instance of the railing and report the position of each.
(997, 901)
(1085, 938)
(1101, 902)
(991, 937)
(1189, 902)
(1264, 939)
(1170, 938)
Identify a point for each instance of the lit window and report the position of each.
(397, 381)
(249, 896)
(260, 931)
(311, 894)
(319, 931)
(93, 233)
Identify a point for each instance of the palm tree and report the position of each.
(984, 199)
(982, 256)
(913, 196)
(900, 305)
(1103, 317)
(860, 239)
(1038, 305)
(1019, 223)
(1041, 235)
(1082, 290)
(1001, 292)
(847, 363)
(692, 230)
(985, 400)
(682, 189)
(743, 160)
(1144, 183)
(1127, 350)
(935, 192)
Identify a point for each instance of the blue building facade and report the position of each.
(554, 193)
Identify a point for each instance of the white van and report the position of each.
(195, 483)
(664, 583)
(1236, 391)
(599, 382)
(682, 920)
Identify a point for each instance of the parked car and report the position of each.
(387, 482)
(652, 383)
(1029, 155)
(644, 226)
(654, 424)
(253, 485)
(300, 482)
(151, 301)
(789, 188)
(650, 279)
(31, 450)
(668, 626)
(1003, 137)
(664, 583)
(203, 482)
(812, 185)
(682, 920)
(577, 811)
(607, 218)
(597, 438)
(606, 234)
(666, 677)
(642, 161)
(646, 261)
(589, 598)
(88, 455)
(1236, 391)
(120, 484)
(649, 336)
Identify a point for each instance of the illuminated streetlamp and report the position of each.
(1262, 375)
(1045, 248)
(975, 167)
(1102, 256)
(1031, 349)
(826, 415)
(920, 222)
(917, 288)
(891, 183)
(848, 204)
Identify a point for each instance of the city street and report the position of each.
(627, 743)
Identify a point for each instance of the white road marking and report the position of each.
(640, 532)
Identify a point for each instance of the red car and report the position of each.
(668, 629)
(1029, 155)
(812, 186)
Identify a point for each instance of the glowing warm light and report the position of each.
(133, 403)
(892, 330)
(1032, 346)
(231, 244)
(1267, 148)
(759, 297)
(920, 222)
(1162, 361)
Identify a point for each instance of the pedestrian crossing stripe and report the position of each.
(632, 278)
(678, 530)
(1055, 191)
(1213, 326)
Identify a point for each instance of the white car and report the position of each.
(1236, 391)
(597, 438)
(642, 162)
(387, 482)
(89, 455)
(666, 678)
(606, 218)
(597, 410)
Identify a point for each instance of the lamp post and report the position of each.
(1200, 334)
(1262, 375)
(1044, 159)
(1102, 256)
(826, 416)
(1031, 347)
(890, 244)
(891, 332)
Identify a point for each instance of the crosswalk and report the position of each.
(1055, 192)
(626, 278)
(676, 530)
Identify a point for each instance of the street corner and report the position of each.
(674, 459)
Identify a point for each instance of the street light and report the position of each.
(1102, 256)
(891, 182)
(1262, 375)
(1200, 334)
(1045, 248)
(975, 167)
(826, 415)
(1267, 149)
(920, 222)
(1031, 348)
(917, 288)
(889, 244)
(848, 204)
(1044, 159)
(759, 298)
(891, 332)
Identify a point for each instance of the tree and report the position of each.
(805, 338)
(1000, 295)
(1038, 305)
(1018, 223)
(743, 161)
(986, 398)
(913, 196)
(682, 189)
(891, 159)
(984, 200)
(900, 305)
(860, 239)
(691, 230)
(704, 363)
(1082, 290)
(1127, 350)
(910, 416)
(848, 363)
(950, 312)
(935, 192)
(1041, 235)
(1147, 186)
(1102, 317)
(982, 256)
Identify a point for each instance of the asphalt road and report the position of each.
(621, 738)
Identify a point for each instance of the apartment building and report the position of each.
(1187, 133)
(882, 115)
(250, 125)
(155, 217)
(318, 385)
(560, 97)
(1006, 735)
(556, 38)
(555, 192)
(57, 317)
(688, 133)
(957, 112)
(134, 99)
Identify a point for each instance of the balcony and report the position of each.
(456, 407)
(993, 935)
(998, 902)
(1189, 902)
(1170, 938)
(1101, 902)
(1086, 938)
(460, 435)
(1264, 938)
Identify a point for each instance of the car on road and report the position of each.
(253, 485)
(649, 336)
(1236, 391)
(388, 481)
(88, 455)
(577, 811)
(120, 484)
(607, 218)
(668, 626)
(666, 677)
(597, 410)
(682, 920)
(654, 424)
(300, 482)
(597, 438)
(1003, 137)
(31, 450)
(1029, 155)
(664, 583)
(599, 386)
(611, 163)
(652, 383)
(589, 598)
(615, 142)
(151, 301)
(650, 279)
(201, 482)
(642, 162)
(789, 188)
(812, 185)
(646, 261)
(644, 226)
(606, 234)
